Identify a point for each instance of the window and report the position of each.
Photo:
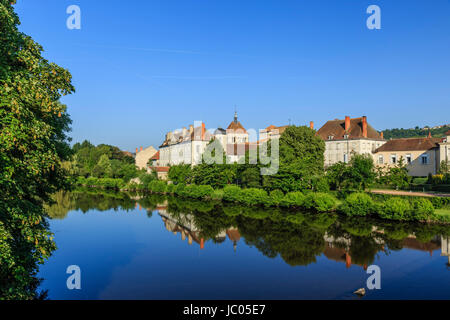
(330, 137)
(345, 157)
(380, 160)
(424, 159)
(393, 158)
(198, 149)
(346, 136)
(408, 158)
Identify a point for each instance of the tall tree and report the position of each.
(301, 157)
(33, 144)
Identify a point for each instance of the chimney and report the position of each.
(191, 129)
(203, 131)
(142, 148)
(381, 135)
(364, 126)
(429, 134)
(184, 132)
(311, 125)
(347, 123)
(137, 150)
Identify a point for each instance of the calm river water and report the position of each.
(135, 247)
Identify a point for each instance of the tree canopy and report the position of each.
(33, 144)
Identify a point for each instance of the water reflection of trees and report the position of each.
(297, 237)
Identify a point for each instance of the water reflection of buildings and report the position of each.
(184, 224)
(338, 249)
(445, 248)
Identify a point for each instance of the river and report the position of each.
(131, 246)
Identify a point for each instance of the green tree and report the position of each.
(358, 174)
(301, 157)
(33, 144)
(398, 176)
(103, 168)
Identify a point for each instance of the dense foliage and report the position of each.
(102, 161)
(33, 144)
(301, 156)
(358, 174)
(414, 133)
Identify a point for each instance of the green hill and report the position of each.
(414, 133)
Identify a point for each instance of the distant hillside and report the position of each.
(414, 133)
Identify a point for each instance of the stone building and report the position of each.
(444, 149)
(346, 137)
(143, 156)
(237, 141)
(184, 146)
(420, 155)
(187, 146)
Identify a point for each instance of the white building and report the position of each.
(186, 146)
(349, 136)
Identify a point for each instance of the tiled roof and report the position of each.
(236, 126)
(162, 169)
(155, 156)
(336, 129)
(272, 128)
(410, 144)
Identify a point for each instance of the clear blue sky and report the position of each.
(143, 67)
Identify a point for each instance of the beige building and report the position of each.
(346, 137)
(143, 155)
(421, 155)
(162, 173)
(444, 149)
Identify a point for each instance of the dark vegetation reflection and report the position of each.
(299, 238)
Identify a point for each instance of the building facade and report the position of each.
(444, 149)
(143, 156)
(343, 138)
(187, 146)
(420, 155)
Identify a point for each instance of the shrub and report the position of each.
(171, 188)
(232, 193)
(293, 199)
(179, 189)
(81, 181)
(254, 196)
(195, 191)
(276, 196)
(92, 182)
(358, 204)
(217, 194)
(422, 209)
(322, 202)
(395, 209)
(158, 186)
(321, 185)
(110, 183)
(204, 191)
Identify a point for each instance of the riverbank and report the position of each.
(397, 207)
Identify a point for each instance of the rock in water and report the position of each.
(360, 292)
